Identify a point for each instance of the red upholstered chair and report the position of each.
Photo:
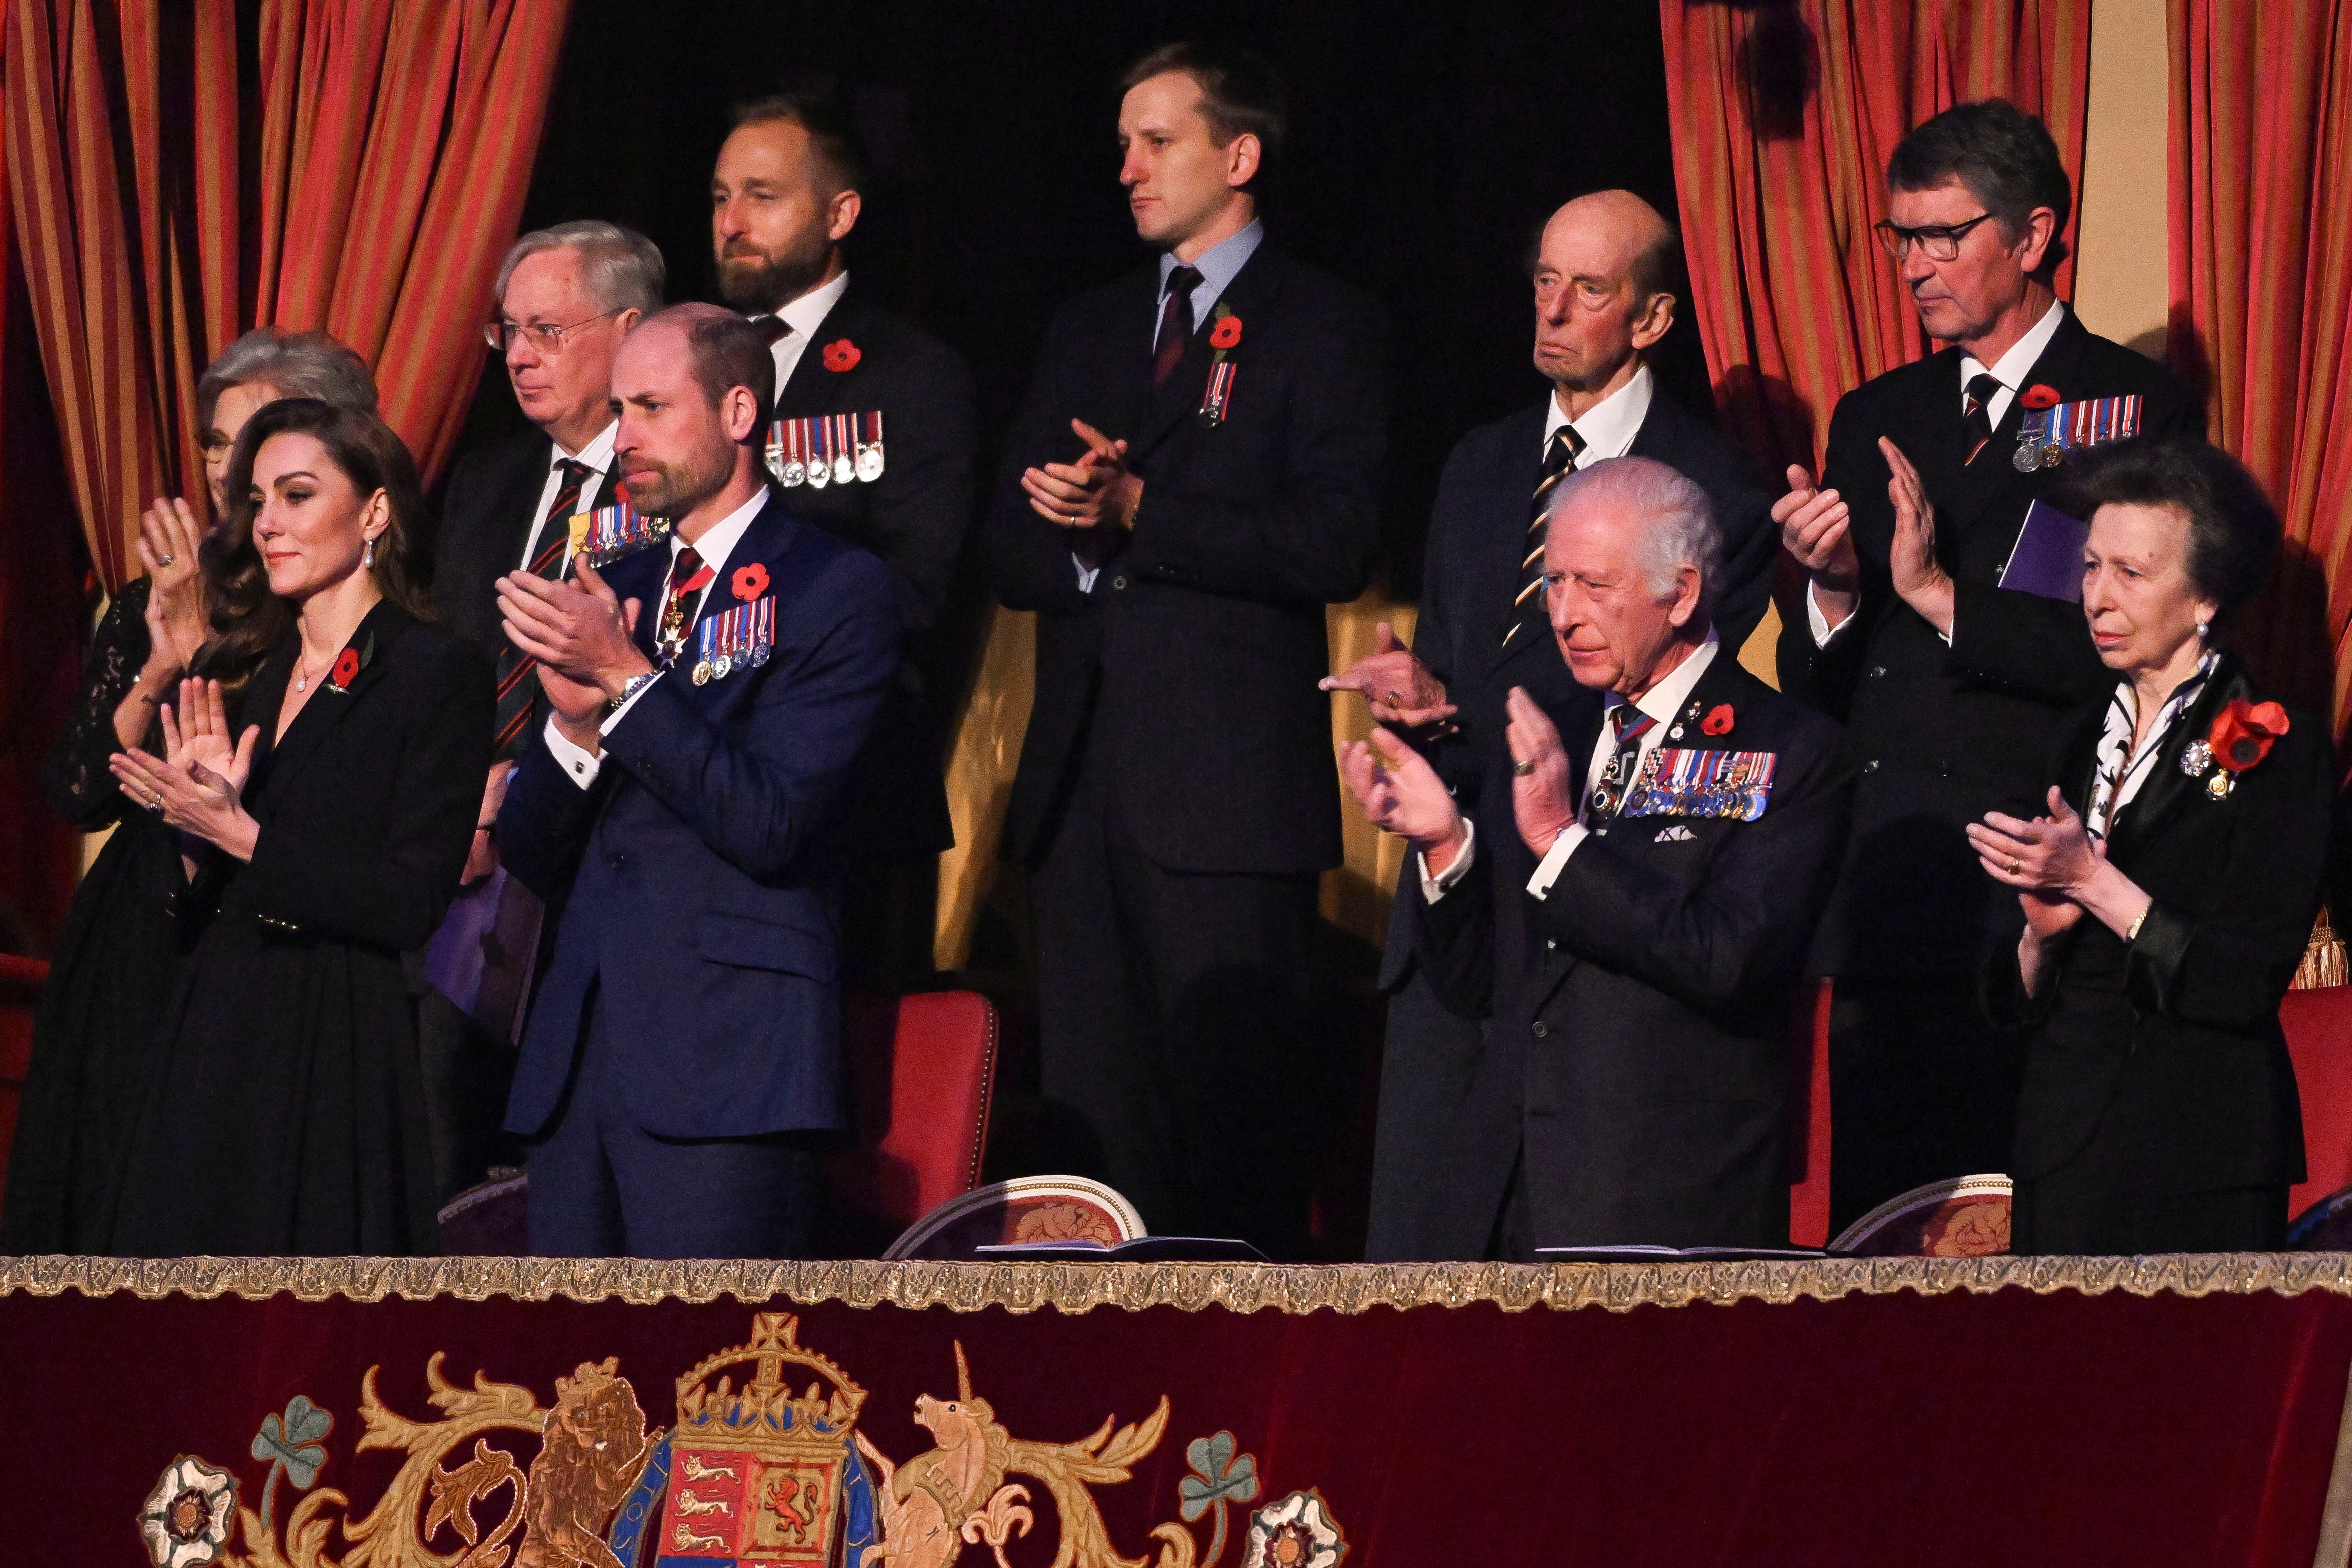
(21, 980)
(2318, 1025)
(1026, 1211)
(1808, 1116)
(921, 1067)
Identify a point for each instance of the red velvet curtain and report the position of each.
(1783, 116)
(396, 140)
(2262, 293)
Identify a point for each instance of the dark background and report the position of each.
(1428, 144)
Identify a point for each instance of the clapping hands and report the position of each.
(197, 786)
(1402, 794)
(1399, 685)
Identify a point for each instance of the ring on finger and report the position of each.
(1522, 767)
(164, 559)
(2016, 868)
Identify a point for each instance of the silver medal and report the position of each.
(2027, 457)
(869, 462)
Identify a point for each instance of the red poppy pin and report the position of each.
(620, 495)
(1226, 333)
(347, 664)
(1717, 720)
(841, 354)
(2040, 395)
(749, 581)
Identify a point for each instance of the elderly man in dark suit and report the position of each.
(1195, 476)
(710, 691)
(1605, 274)
(1953, 686)
(874, 438)
(1684, 836)
(566, 295)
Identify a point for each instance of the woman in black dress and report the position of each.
(2169, 892)
(322, 843)
(119, 957)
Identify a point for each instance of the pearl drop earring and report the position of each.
(368, 559)
(2203, 631)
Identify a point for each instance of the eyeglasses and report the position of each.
(1940, 241)
(545, 335)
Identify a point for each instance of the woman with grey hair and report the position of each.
(118, 958)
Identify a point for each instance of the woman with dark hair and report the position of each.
(321, 845)
(119, 954)
(2170, 891)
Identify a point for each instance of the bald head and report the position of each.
(1603, 280)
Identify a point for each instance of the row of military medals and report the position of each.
(736, 639)
(2046, 433)
(826, 449)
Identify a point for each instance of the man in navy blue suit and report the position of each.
(709, 693)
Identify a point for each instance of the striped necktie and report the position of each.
(1175, 325)
(1559, 455)
(517, 691)
(1977, 412)
(687, 577)
(1628, 725)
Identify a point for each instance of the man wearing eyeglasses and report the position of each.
(566, 296)
(1950, 684)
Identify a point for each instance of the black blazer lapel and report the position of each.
(812, 387)
(1253, 290)
(326, 707)
(2166, 785)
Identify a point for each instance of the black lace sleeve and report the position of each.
(80, 784)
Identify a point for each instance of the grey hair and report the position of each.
(1679, 527)
(622, 269)
(294, 364)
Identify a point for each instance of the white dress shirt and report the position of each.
(1661, 701)
(2010, 372)
(717, 542)
(598, 457)
(1607, 429)
(804, 315)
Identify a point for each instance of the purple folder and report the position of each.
(2047, 558)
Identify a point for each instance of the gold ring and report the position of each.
(1521, 768)
(2016, 867)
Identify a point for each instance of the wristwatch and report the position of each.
(633, 685)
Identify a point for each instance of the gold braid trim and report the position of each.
(1189, 1287)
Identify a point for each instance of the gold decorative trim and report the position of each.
(1190, 1287)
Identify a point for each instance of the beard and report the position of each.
(677, 489)
(755, 281)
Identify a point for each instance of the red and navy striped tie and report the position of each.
(517, 690)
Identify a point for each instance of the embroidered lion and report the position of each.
(593, 1448)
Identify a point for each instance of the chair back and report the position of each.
(1962, 1217)
(21, 983)
(1809, 1115)
(922, 1070)
(1025, 1212)
(2318, 1025)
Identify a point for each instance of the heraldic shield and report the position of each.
(759, 1474)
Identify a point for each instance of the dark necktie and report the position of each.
(1559, 454)
(774, 330)
(1976, 412)
(687, 577)
(1627, 725)
(517, 690)
(1175, 325)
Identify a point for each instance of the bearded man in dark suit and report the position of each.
(1605, 274)
(873, 438)
(1196, 477)
(1683, 831)
(1951, 686)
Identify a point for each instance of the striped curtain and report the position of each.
(392, 140)
(1783, 116)
(2261, 165)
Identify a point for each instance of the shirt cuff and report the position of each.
(614, 717)
(1086, 574)
(1555, 861)
(578, 766)
(1818, 623)
(1433, 888)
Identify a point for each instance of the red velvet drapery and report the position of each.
(394, 145)
(2262, 293)
(1783, 117)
